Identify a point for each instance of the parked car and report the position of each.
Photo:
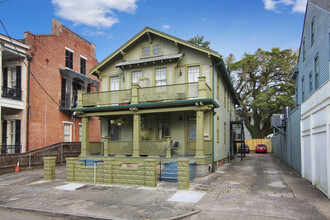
(241, 149)
(261, 148)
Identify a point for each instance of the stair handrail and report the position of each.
(161, 157)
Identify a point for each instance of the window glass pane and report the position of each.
(114, 83)
(160, 76)
(145, 51)
(163, 128)
(157, 49)
(68, 59)
(114, 130)
(136, 75)
(193, 74)
(67, 132)
(192, 131)
(82, 66)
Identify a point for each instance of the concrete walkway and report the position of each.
(260, 187)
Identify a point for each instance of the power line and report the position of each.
(26, 65)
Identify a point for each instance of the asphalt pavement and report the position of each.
(259, 187)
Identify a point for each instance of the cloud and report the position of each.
(166, 26)
(93, 33)
(95, 13)
(297, 5)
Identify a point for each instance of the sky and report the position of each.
(232, 26)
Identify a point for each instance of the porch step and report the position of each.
(170, 173)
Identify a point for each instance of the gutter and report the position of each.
(29, 58)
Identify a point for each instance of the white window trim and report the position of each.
(83, 57)
(69, 49)
(68, 123)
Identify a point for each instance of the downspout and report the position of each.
(29, 58)
(213, 114)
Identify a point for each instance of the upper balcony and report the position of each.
(141, 95)
(12, 93)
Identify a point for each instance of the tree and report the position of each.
(262, 82)
(199, 40)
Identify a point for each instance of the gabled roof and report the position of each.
(149, 30)
(325, 4)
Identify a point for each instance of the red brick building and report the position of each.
(59, 66)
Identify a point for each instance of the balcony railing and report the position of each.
(12, 93)
(10, 149)
(170, 92)
(107, 98)
(136, 95)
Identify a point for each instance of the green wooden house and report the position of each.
(157, 88)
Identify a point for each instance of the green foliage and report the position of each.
(262, 82)
(199, 40)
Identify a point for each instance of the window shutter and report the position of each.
(18, 136)
(63, 90)
(18, 82)
(5, 77)
(4, 132)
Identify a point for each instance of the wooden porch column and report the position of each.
(199, 133)
(136, 134)
(168, 141)
(85, 136)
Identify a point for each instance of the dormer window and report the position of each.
(157, 49)
(145, 51)
(153, 50)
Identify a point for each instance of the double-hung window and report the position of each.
(136, 75)
(312, 31)
(310, 81)
(146, 51)
(69, 58)
(316, 70)
(82, 65)
(157, 49)
(161, 76)
(193, 74)
(302, 89)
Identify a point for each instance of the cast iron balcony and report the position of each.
(11, 149)
(12, 93)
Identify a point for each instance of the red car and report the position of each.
(261, 148)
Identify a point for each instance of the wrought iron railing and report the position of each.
(65, 101)
(12, 93)
(11, 149)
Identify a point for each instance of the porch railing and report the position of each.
(152, 148)
(170, 92)
(12, 93)
(11, 149)
(120, 147)
(137, 94)
(207, 147)
(107, 98)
